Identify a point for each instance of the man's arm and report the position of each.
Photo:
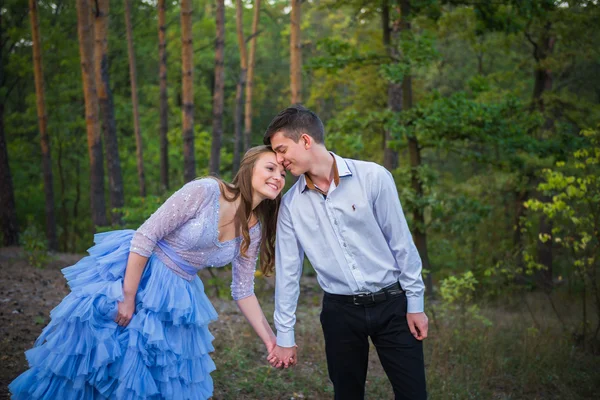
(391, 220)
(289, 256)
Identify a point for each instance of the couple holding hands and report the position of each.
(135, 324)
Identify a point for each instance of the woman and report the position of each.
(135, 323)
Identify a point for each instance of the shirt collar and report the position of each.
(340, 170)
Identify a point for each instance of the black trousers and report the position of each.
(347, 328)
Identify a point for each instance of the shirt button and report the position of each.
(345, 245)
(335, 221)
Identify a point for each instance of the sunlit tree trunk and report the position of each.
(218, 96)
(86, 52)
(296, 52)
(164, 99)
(105, 99)
(239, 95)
(43, 125)
(187, 67)
(135, 101)
(250, 78)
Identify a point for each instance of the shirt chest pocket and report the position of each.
(351, 212)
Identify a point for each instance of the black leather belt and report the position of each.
(367, 298)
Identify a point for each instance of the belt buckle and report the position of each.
(363, 296)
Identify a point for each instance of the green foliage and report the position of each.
(573, 192)
(35, 245)
(457, 293)
(483, 142)
(485, 147)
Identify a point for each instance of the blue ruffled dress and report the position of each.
(164, 351)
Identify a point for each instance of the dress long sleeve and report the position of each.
(243, 268)
(179, 208)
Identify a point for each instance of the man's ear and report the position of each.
(306, 140)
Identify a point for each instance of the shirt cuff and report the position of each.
(415, 304)
(286, 339)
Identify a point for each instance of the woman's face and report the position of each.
(268, 176)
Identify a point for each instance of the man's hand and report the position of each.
(418, 323)
(283, 357)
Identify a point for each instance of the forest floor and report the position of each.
(511, 358)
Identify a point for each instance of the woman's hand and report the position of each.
(283, 357)
(125, 311)
(271, 344)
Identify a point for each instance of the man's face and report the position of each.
(293, 156)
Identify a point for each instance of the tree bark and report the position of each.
(86, 51)
(187, 66)
(543, 83)
(43, 125)
(105, 99)
(414, 150)
(390, 39)
(164, 99)
(135, 101)
(218, 96)
(239, 95)
(250, 78)
(296, 52)
(64, 239)
(8, 213)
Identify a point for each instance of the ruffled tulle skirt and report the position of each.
(84, 354)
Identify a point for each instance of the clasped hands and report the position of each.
(282, 357)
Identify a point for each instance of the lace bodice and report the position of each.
(188, 224)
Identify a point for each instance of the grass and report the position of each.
(511, 359)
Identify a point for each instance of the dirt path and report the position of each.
(27, 294)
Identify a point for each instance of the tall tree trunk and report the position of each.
(86, 51)
(105, 99)
(414, 150)
(64, 238)
(543, 83)
(8, 213)
(218, 96)
(390, 156)
(250, 78)
(43, 125)
(239, 95)
(187, 66)
(76, 231)
(296, 52)
(164, 99)
(134, 100)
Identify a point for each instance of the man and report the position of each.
(346, 217)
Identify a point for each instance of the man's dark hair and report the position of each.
(293, 122)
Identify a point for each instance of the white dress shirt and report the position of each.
(356, 238)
